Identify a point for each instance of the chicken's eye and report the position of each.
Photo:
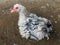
(16, 7)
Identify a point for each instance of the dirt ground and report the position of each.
(9, 33)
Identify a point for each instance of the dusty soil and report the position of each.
(9, 33)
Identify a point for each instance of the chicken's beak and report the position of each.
(12, 11)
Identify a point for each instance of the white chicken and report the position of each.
(30, 25)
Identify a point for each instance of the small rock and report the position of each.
(47, 4)
(58, 16)
(55, 21)
(43, 6)
(51, 16)
(2, 10)
(15, 44)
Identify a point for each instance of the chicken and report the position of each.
(30, 25)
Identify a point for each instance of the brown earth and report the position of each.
(9, 33)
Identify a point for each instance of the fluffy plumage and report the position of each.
(30, 25)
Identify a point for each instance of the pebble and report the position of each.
(51, 16)
(15, 44)
(58, 16)
(47, 4)
(43, 6)
(55, 21)
(2, 10)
